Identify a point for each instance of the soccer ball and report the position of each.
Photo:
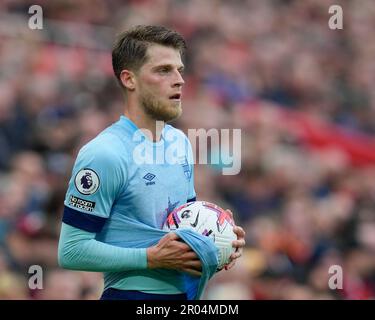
(209, 220)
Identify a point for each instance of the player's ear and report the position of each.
(128, 79)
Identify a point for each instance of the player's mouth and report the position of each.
(176, 97)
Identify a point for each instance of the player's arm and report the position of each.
(78, 250)
(97, 178)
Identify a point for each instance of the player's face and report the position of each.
(160, 83)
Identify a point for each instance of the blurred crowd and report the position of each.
(250, 65)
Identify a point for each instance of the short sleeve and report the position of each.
(97, 178)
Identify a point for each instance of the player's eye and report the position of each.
(164, 70)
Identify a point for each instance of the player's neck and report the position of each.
(151, 128)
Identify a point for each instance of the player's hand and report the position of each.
(238, 244)
(171, 253)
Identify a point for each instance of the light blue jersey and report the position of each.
(121, 178)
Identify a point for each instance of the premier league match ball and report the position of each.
(209, 220)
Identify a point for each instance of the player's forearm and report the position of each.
(78, 250)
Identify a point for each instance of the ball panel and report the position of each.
(209, 220)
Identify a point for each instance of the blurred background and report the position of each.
(302, 94)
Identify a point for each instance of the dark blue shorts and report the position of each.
(116, 294)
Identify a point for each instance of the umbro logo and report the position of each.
(149, 177)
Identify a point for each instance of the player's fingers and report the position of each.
(195, 264)
(239, 231)
(171, 236)
(190, 255)
(239, 244)
(182, 246)
(230, 265)
(192, 272)
(235, 255)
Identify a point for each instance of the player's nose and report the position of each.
(178, 80)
